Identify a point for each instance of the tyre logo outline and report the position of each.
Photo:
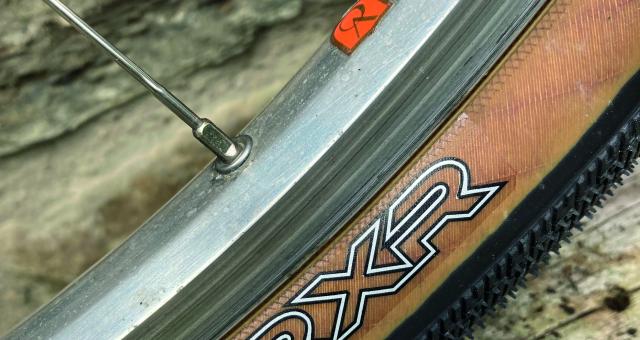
(393, 235)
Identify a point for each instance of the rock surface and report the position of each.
(53, 80)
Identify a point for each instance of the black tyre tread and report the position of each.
(579, 199)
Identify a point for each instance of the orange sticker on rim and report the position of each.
(358, 23)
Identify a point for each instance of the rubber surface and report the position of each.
(570, 192)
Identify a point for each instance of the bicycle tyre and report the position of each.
(536, 226)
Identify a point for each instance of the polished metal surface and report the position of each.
(217, 141)
(203, 129)
(246, 144)
(337, 132)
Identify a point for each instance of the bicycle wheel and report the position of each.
(390, 203)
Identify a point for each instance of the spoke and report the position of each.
(203, 129)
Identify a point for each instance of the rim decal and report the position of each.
(357, 23)
(385, 256)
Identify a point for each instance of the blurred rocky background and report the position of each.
(86, 155)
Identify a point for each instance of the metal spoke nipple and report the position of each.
(231, 152)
